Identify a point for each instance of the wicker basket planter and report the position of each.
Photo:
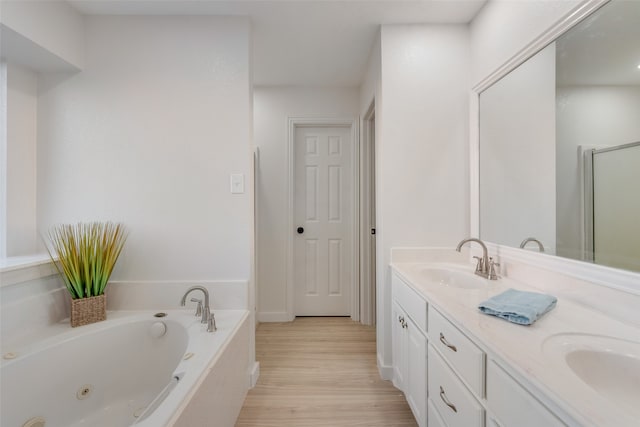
(88, 310)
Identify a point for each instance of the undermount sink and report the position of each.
(609, 366)
(453, 278)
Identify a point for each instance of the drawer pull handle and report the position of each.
(444, 341)
(446, 402)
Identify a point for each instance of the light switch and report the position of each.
(237, 183)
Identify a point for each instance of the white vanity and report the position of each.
(575, 366)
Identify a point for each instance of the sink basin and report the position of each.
(609, 366)
(453, 278)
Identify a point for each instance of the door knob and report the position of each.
(300, 230)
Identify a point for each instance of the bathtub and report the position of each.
(132, 369)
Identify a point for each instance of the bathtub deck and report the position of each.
(321, 372)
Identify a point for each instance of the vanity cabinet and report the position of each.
(410, 348)
(449, 379)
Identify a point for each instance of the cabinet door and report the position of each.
(433, 416)
(399, 342)
(416, 379)
(455, 403)
(512, 404)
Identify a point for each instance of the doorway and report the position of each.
(326, 274)
(323, 221)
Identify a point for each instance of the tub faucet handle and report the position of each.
(199, 307)
(211, 323)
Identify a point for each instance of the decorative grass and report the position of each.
(87, 253)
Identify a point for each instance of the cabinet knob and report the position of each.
(300, 230)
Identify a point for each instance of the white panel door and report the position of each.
(323, 212)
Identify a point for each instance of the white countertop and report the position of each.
(521, 347)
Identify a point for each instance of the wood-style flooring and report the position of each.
(321, 371)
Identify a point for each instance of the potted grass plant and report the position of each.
(87, 253)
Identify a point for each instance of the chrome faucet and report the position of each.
(207, 316)
(532, 239)
(485, 266)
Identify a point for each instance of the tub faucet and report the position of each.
(207, 316)
(532, 239)
(485, 266)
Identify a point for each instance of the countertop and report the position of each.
(522, 348)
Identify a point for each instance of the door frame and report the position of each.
(292, 124)
(368, 266)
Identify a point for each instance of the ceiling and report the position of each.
(304, 42)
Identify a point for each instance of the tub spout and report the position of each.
(206, 311)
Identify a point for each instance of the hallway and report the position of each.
(321, 371)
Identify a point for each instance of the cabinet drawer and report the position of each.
(454, 402)
(412, 303)
(512, 404)
(433, 417)
(460, 351)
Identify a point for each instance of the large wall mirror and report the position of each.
(560, 145)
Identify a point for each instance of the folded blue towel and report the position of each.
(519, 307)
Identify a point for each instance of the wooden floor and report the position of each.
(321, 371)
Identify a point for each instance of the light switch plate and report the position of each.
(237, 183)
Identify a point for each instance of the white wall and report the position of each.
(518, 154)
(422, 162)
(22, 102)
(591, 116)
(504, 27)
(148, 134)
(54, 26)
(272, 107)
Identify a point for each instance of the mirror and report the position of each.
(560, 145)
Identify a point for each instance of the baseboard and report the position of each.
(274, 316)
(386, 371)
(254, 375)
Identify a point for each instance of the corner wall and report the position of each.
(148, 134)
(422, 173)
(50, 26)
(22, 102)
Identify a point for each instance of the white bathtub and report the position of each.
(107, 374)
